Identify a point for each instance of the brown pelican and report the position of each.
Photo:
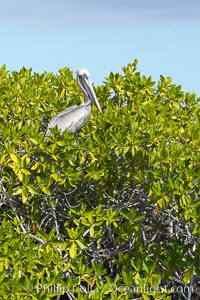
(75, 117)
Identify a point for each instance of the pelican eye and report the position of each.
(85, 76)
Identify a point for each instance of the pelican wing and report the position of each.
(53, 122)
(72, 118)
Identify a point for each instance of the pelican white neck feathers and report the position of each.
(75, 117)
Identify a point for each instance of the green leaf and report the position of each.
(195, 204)
(24, 195)
(35, 166)
(73, 250)
(32, 190)
(82, 244)
(25, 171)
(60, 143)
(34, 141)
(91, 231)
(46, 190)
(56, 177)
(40, 274)
(20, 175)
(126, 278)
(187, 276)
(18, 191)
(14, 158)
(196, 134)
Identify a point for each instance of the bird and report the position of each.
(75, 117)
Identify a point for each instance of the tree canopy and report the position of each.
(113, 213)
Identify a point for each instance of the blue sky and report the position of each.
(102, 36)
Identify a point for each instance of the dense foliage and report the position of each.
(110, 214)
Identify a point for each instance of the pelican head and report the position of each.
(85, 84)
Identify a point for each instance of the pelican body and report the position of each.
(75, 117)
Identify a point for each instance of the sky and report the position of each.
(102, 36)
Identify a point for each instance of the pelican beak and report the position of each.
(86, 86)
(92, 95)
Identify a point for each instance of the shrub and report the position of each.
(110, 214)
